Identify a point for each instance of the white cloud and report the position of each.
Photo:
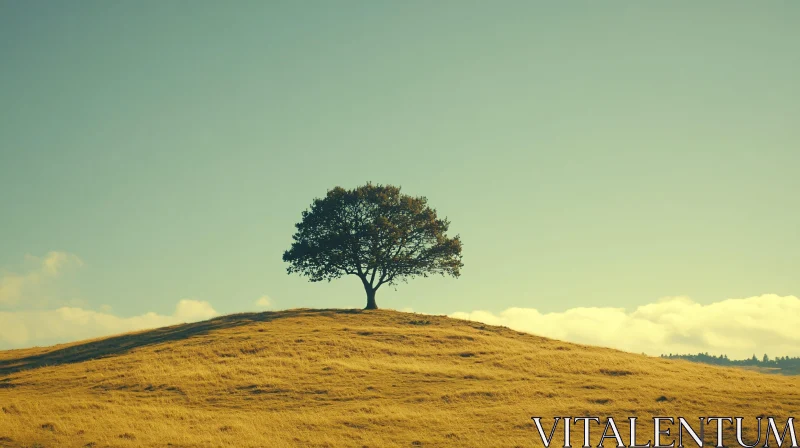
(55, 262)
(38, 327)
(193, 310)
(11, 286)
(14, 286)
(264, 302)
(736, 327)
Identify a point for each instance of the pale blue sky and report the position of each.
(589, 153)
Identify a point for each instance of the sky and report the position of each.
(614, 156)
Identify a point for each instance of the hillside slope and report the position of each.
(349, 378)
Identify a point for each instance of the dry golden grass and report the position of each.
(340, 378)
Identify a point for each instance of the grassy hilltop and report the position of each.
(351, 379)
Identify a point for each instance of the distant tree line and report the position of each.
(787, 365)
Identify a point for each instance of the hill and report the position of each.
(350, 378)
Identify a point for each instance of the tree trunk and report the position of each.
(371, 305)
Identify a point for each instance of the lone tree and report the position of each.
(375, 233)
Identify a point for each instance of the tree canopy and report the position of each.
(375, 233)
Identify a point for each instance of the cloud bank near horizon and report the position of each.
(46, 320)
(39, 272)
(36, 327)
(738, 328)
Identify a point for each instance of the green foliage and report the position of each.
(784, 365)
(375, 233)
